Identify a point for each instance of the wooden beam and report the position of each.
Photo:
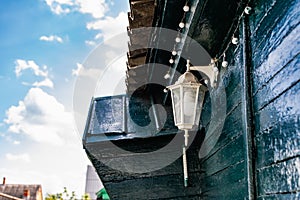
(9, 196)
(141, 2)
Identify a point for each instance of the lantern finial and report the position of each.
(187, 65)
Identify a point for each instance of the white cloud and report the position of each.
(9, 139)
(98, 36)
(22, 65)
(75, 72)
(92, 73)
(41, 117)
(96, 8)
(90, 43)
(59, 6)
(113, 82)
(109, 26)
(20, 157)
(51, 38)
(25, 83)
(46, 83)
(16, 142)
(55, 156)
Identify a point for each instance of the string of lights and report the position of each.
(175, 54)
(234, 39)
(183, 25)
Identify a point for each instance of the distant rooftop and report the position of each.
(20, 191)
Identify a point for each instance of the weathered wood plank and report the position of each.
(225, 157)
(227, 184)
(206, 111)
(260, 11)
(270, 22)
(276, 60)
(108, 174)
(279, 142)
(232, 80)
(232, 129)
(236, 191)
(282, 108)
(283, 177)
(234, 98)
(280, 82)
(153, 184)
(290, 196)
(155, 187)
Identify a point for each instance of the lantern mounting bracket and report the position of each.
(211, 71)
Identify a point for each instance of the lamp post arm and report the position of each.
(211, 71)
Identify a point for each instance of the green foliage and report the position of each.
(86, 197)
(65, 195)
(102, 194)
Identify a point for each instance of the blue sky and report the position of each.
(43, 45)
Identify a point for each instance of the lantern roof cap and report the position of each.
(187, 77)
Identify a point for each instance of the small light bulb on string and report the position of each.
(193, 9)
(206, 81)
(171, 61)
(165, 90)
(174, 53)
(167, 76)
(186, 8)
(224, 62)
(181, 25)
(247, 10)
(177, 39)
(235, 40)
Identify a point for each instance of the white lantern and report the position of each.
(187, 97)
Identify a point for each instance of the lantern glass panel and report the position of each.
(189, 104)
(176, 105)
(199, 105)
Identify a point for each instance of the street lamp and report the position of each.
(187, 96)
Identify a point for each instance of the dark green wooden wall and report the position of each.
(224, 169)
(258, 152)
(275, 43)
